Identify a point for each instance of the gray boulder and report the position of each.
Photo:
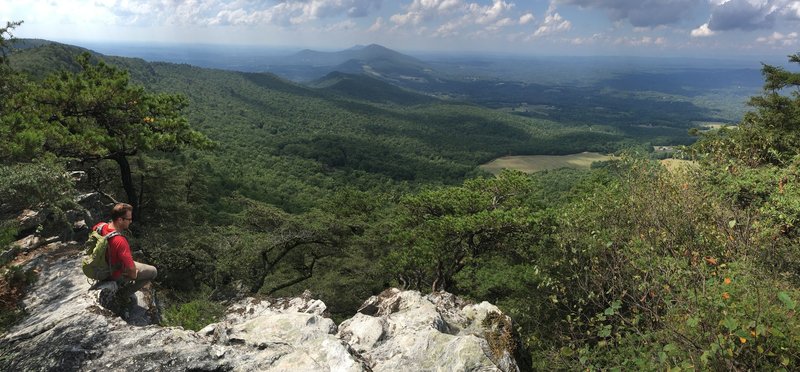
(29, 219)
(68, 329)
(407, 331)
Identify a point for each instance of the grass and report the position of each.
(711, 125)
(537, 163)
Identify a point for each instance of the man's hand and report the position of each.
(132, 273)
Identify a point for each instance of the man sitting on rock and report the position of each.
(130, 275)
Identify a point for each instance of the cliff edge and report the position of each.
(67, 329)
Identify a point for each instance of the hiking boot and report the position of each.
(115, 300)
(106, 297)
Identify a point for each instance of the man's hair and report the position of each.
(120, 210)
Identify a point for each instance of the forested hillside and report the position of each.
(286, 141)
(247, 184)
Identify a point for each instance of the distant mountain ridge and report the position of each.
(367, 53)
(373, 60)
(364, 87)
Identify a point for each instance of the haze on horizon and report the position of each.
(696, 28)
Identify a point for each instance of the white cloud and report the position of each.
(792, 10)
(345, 25)
(640, 13)
(407, 18)
(224, 12)
(640, 41)
(74, 12)
(455, 17)
(377, 25)
(448, 29)
(420, 10)
(595, 38)
(526, 18)
(553, 23)
(779, 39)
(751, 15)
(504, 22)
(489, 13)
(702, 31)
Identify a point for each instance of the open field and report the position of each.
(711, 125)
(536, 163)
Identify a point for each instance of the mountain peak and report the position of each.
(376, 46)
(368, 53)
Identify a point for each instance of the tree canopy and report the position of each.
(97, 114)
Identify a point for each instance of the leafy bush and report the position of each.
(194, 314)
(26, 185)
(13, 281)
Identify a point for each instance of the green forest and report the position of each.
(245, 184)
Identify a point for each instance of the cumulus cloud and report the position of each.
(595, 38)
(420, 10)
(503, 23)
(779, 39)
(526, 18)
(489, 13)
(236, 12)
(377, 25)
(792, 10)
(447, 29)
(553, 23)
(749, 15)
(640, 13)
(345, 25)
(640, 41)
(702, 31)
(743, 15)
(457, 17)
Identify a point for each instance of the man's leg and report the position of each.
(146, 274)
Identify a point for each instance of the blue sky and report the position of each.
(702, 28)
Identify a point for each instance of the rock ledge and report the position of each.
(67, 329)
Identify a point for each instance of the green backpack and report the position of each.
(95, 264)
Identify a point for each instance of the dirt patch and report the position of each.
(51, 252)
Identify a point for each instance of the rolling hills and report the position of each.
(289, 144)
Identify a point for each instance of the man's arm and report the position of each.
(128, 266)
(131, 273)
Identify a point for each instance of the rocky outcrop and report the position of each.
(43, 227)
(67, 329)
(406, 331)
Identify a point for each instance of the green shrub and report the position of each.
(13, 281)
(193, 315)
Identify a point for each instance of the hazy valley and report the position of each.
(270, 172)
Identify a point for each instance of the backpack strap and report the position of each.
(107, 237)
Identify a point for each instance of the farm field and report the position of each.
(536, 163)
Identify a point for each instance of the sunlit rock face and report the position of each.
(405, 330)
(68, 329)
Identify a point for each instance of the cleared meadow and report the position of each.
(536, 163)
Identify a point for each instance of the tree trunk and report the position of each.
(127, 184)
(307, 275)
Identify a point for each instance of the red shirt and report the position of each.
(118, 254)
